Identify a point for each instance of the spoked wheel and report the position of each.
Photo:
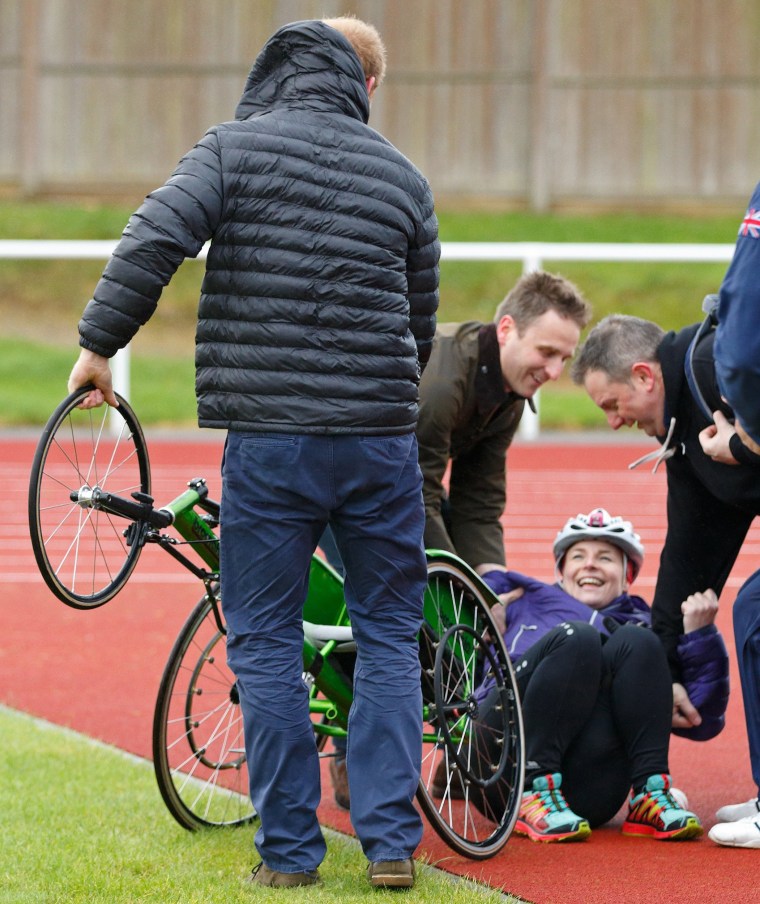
(81, 550)
(472, 761)
(198, 741)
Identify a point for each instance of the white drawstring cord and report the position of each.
(658, 455)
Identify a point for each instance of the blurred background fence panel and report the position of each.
(539, 103)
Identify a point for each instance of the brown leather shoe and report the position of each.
(262, 875)
(339, 777)
(391, 874)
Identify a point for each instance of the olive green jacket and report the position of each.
(469, 419)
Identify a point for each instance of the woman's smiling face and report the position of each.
(593, 571)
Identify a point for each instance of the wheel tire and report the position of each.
(471, 798)
(198, 740)
(81, 551)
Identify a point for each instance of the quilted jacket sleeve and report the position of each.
(172, 224)
(422, 279)
(704, 671)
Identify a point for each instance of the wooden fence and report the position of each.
(538, 102)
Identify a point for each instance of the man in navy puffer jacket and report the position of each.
(317, 313)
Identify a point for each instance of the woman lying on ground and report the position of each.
(596, 691)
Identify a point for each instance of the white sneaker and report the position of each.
(743, 833)
(681, 799)
(732, 812)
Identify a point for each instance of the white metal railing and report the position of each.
(531, 254)
(453, 251)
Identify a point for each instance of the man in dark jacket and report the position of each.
(317, 313)
(666, 385)
(472, 396)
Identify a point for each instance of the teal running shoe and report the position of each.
(545, 815)
(655, 813)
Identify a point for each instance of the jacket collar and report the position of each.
(489, 380)
(671, 354)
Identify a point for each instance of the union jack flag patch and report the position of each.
(751, 224)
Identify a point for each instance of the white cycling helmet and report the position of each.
(600, 525)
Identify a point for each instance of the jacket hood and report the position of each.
(671, 353)
(307, 66)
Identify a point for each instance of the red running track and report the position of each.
(98, 671)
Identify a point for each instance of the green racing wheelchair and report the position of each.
(91, 514)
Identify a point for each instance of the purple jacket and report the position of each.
(702, 653)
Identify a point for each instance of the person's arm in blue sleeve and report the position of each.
(737, 340)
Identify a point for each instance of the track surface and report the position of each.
(98, 671)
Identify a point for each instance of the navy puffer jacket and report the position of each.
(318, 304)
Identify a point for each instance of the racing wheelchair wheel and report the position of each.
(81, 550)
(473, 757)
(198, 741)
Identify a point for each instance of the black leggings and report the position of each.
(598, 710)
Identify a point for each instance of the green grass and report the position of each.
(83, 824)
(671, 294)
(33, 381)
(41, 301)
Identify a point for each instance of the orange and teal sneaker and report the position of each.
(655, 813)
(545, 815)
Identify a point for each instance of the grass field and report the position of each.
(82, 823)
(41, 301)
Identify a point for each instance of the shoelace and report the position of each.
(655, 802)
(666, 800)
(658, 455)
(552, 800)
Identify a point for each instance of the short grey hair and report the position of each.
(614, 345)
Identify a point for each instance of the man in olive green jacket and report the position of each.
(472, 396)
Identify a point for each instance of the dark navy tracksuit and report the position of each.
(737, 364)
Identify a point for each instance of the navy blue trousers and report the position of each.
(747, 635)
(279, 493)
